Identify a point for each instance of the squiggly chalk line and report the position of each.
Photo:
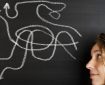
(30, 40)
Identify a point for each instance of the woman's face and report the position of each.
(96, 66)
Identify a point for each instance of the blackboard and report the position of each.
(47, 42)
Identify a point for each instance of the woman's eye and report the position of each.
(98, 56)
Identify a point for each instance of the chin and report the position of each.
(97, 82)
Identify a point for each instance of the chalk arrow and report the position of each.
(6, 6)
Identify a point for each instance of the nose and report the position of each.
(91, 64)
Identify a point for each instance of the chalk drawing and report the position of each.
(43, 29)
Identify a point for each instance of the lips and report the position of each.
(93, 75)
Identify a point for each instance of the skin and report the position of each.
(96, 65)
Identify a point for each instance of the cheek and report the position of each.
(101, 71)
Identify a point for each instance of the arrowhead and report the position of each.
(6, 6)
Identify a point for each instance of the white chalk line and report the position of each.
(25, 2)
(51, 35)
(54, 39)
(37, 12)
(23, 62)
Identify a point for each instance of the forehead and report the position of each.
(95, 49)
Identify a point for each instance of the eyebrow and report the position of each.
(96, 51)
